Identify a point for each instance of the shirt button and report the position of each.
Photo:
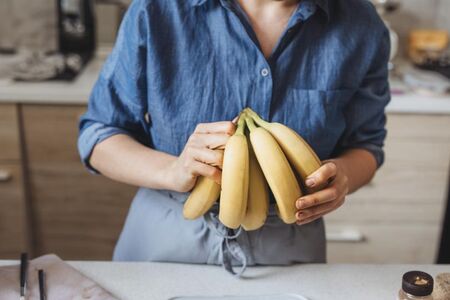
(264, 72)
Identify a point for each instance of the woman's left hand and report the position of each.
(313, 206)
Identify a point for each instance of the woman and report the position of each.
(181, 70)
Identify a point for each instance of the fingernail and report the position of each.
(299, 203)
(310, 182)
(299, 215)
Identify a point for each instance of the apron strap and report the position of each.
(230, 247)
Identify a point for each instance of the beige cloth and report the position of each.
(61, 281)
(442, 287)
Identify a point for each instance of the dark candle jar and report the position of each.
(416, 285)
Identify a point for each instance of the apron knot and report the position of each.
(230, 247)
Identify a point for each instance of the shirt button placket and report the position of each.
(262, 103)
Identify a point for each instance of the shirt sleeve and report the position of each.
(117, 104)
(365, 114)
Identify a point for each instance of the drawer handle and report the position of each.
(5, 175)
(349, 235)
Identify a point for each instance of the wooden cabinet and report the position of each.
(13, 229)
(9, 133)
(77, 215)
(397, 217)
(13, 226)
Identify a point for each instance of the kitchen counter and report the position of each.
(163, 280)
(77, 92)
(52, 92)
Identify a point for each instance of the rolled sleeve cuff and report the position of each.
(91, 136)
(375, 150)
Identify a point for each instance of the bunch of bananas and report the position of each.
(249, 169)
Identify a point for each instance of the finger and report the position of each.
(303, 221)
(226, 127)
(314, 211)
(235, 120)
(322, 175)
(308, 220)
(207, 156)
(317, 198)
(201, 169)
(209, 140)
(318, 211)
(220, 159)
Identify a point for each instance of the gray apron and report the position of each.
(155, 230)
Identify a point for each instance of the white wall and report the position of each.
(31, 22)
(420, 14)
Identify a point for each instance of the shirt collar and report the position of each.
(322, 4)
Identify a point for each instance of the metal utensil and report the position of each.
(23, 275)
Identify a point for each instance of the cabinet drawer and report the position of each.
(419, 127)
(407, 243)
(79, 215)
(418, 153)
(398, 193)
(386, 211)
(13, 235)
(54, 140)
(413, 169)
(398, 182)
(9, 132)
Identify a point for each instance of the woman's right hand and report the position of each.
(202, 155)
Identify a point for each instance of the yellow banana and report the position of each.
(202, 197)
(276, 169)
(299, 153)
(235, 179)
(258, 196)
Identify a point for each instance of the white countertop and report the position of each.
(77, 92)
(52, 92)
(160, 281)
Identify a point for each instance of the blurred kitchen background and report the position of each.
(50, 54)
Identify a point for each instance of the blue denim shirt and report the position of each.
(177, 63)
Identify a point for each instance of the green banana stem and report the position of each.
(241, 124)
(250, 124)
(256, 117)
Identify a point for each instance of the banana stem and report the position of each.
(256, 117)
(250, 124)
(241, 124)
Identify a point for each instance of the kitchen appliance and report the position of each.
(385, 7)
(76, 26)
(76, 45)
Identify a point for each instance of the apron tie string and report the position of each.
(230, 247)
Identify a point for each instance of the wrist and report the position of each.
(165, 177)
